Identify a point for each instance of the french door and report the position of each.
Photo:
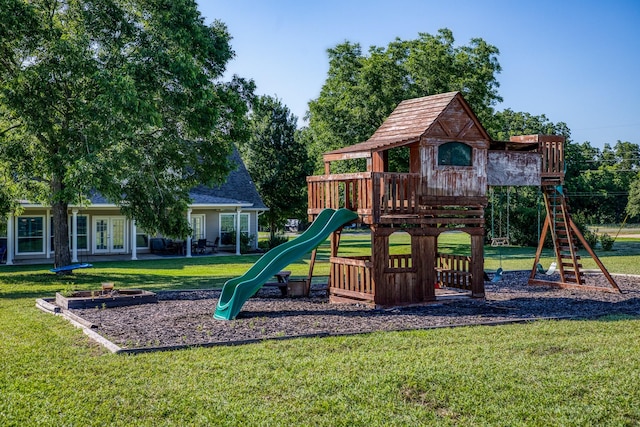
(110, 234)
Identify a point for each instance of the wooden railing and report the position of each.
(351, 278)
(454, 271)
(395, 193)
(365, 193)
(552, 150)
(351, 191)
(400, 262)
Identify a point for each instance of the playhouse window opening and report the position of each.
(399, 160)
(454, 154)
(399, 253)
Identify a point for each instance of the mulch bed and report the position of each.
(185, 318)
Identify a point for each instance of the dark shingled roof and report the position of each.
(239, 189)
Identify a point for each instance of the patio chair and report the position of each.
(214, 245)
(201, 246)
(161, 246)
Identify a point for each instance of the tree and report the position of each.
(122, 97)
(599, 181)
(507, 123)
(277, 161)
(362, 90)
(633, 204)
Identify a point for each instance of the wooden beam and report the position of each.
(339, 177)
(565, 285)
(594, 256)
(312, 264)
(346, 156)
(380, 160)
(543, 236)
(477, 266)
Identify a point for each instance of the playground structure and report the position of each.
(452, 164)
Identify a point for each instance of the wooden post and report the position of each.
(379, 259)
(427, 265)
(335, 244)
(543, 236)
(477, 266)
(312, 264)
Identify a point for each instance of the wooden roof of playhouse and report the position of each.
(445, 115)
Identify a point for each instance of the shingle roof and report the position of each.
(407, 123)
(238, 189)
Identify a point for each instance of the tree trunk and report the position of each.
(60, 228)
(272, 230)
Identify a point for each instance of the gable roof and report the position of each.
(237, 189)
(412, 119)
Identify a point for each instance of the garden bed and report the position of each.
(105, 299)
(185, 318)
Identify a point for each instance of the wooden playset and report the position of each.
(452, 164)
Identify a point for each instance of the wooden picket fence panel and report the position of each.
(454, 271)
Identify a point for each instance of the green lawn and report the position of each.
(545, 373)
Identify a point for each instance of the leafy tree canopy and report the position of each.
(598, 180)
(633, 204)
(123, 97)
(277, 161)
(507, 123)
(362, 90)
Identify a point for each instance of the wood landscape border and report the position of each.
(45, 305)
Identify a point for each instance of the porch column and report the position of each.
(238, 210)
(134, 240)
(10, 239)
(189, 236)
(74, 233)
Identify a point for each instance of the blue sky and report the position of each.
(574, 61)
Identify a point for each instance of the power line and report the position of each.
(608, 194)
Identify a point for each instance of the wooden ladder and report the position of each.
(565, 241)
(565, 236)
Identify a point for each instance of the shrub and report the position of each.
(263, 245)
(246, 242)
(590, 237)
(606, 241)
(271, 243)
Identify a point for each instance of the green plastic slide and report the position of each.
(238, 290)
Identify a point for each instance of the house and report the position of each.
(101, 229)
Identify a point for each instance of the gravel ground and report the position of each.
(185, 317)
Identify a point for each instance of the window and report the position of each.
(83, 235)
(454, 154)
(142, 239)
(244, 224)
(82, 232)
(197, 227)
(228, 227)
(30, 234)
